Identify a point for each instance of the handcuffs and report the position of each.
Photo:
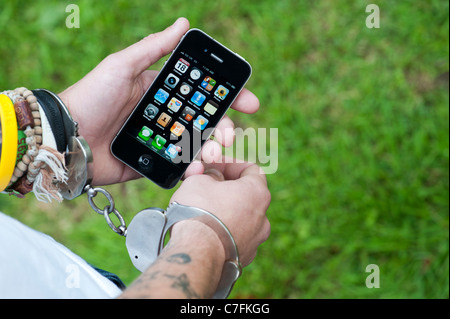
(146, 233)
(151, 226)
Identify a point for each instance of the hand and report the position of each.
(190, 266)
(104, 98)
(238, 195)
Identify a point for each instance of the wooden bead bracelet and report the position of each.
(41, 169)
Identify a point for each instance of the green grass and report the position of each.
(363, 122)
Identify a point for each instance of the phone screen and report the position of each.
(181, 108)
(185, 103)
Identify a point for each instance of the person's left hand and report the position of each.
(104, 98)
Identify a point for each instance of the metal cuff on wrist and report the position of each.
(78, 155)
(147, 230)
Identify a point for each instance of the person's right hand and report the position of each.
(238, 195)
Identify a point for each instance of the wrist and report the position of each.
(147, 230)
(64, 97)
(231, 269)
(186, 232)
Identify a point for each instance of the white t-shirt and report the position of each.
(34, 265)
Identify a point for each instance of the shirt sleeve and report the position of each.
(34, 265)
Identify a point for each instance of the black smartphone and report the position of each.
(179, 112)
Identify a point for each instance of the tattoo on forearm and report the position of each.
(144, 280)
(182, 283)
(180, 259)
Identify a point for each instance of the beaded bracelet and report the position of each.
(29, 120)
(42, 168)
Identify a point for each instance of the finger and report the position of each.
(265, 231)
(231, 168)
(246, 102)
(234, 169)
(224, 132)
(141, 55)
(211, 152)
(196, 168)
(254, 172)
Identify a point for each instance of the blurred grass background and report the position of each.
(363, 119)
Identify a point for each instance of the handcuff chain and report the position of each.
(107, 210)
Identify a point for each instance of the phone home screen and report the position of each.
(181, 109)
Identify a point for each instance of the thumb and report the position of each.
(141, 55)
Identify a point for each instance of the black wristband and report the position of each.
(54, 117)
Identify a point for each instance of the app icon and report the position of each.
(161, 96)
(177, 128)
(198, 98)
(196, 74)
(172, 81)
(173, 151)
(211, 107)
(201, 122)
(145, 133)
(221, 92)
(182, 65)
(174, 104)
(164, 119)
(151, 111)
(185, 88)
(159, 142)
(208, 83)
(188, 114)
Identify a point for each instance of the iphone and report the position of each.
(179, 112)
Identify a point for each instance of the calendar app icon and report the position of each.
(182, 65)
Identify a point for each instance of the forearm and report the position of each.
(190, 266)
